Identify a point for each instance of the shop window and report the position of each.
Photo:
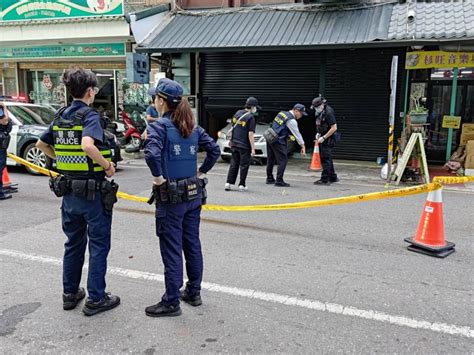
(46, 88)
(9, 82)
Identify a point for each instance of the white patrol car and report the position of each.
(29, 122)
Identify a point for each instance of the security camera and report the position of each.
(411, 15)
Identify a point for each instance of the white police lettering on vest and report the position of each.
(68, 141)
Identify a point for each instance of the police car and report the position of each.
(29, 122)
(260, 143)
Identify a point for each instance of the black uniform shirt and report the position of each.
(240, 133)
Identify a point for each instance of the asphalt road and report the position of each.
(325, 280)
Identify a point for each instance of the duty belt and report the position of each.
(85, 188)
(176, 191)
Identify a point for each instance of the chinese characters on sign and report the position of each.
(23, 10)
(58, 51)
(439, 59)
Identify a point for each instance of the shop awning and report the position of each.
(268, 28)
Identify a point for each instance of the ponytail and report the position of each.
(183, 118)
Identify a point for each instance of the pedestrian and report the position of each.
(77, 141)
(285, 126)
(242, 144)
(171, 154)
(5, 129)
(327, 137)
(151, 112)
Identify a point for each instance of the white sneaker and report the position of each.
(227, 187)
(242, 188)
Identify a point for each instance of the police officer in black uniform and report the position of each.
(171, 154)
(76, 140)
(326, 128)
(285, 126)
(5, 129)
(242, 143)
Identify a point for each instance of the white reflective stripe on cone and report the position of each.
(435, 196)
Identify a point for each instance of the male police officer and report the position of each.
(242, 143)
(76, 140)
(284, 125)
(5, 128)
(326, 127)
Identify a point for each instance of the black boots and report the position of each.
(194, 300)
(107, 303)
(162, 310)
(70, 300)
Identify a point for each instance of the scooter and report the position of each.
(135, 127)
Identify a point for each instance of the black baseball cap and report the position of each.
(317, 101)
(301, 108)
(252, 101)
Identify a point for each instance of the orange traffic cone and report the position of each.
(7, 184)
(429, 237)
(316, 160)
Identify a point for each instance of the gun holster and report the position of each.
(60, 185)
(109, 190)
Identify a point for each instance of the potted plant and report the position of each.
(419, 113)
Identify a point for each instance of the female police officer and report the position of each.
(171, 154)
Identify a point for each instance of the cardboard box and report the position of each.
(470, 148)
(469, 162)
(467, 128)
(465, 137)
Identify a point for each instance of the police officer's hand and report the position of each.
(321, 140)
(253, 152)
(110, 171)
(159, 180)
(303, 150)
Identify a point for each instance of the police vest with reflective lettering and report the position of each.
(179, 158)
(280, 127)
(67, 137)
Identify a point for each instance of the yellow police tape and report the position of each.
(373, 196)
(448, 180)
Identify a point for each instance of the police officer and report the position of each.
(284, 125)
(76, 140)
(326, 128)
(151, 113)
(171, 154)
(5, 129)
(242, 143)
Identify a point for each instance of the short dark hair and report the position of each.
(78, 80)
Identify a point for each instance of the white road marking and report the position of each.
(333, 308)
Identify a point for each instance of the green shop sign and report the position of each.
(62, 51)
(24, 10)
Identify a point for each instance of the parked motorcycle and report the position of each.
(135, 126)
(111, 136)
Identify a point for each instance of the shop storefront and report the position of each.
(446, 80)
(39, 40)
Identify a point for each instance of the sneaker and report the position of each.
(5, 197)
(192, 300)
(70, 300)
(162, 310)
(107, 303)
(270, 181)
(322, 182)
(242, 188)
(282, 184)
(228, 187)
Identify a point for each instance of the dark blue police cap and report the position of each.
(301, 108)
(167, 89)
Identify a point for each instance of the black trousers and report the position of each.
(278, 153)
(328, 173)
(240, 158)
